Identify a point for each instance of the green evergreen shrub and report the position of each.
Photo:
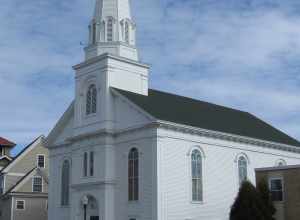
(248, 204)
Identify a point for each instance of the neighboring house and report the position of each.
(5, 147)
(284, 185)
(123, 151)
(24, 184)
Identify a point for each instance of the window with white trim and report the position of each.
(276, 189)
(37, 184)
(65, 183)
(85, 163)
(91, 100)
(20, 205)
(133, 175)
(94, 32)
(41, 161)
(110, 29)
(242, 169)
(281, 163)
(196, 164)
(127, 32)
(91, 163)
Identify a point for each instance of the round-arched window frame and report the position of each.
(242, 169)
(91, 100)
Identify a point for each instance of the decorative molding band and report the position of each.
(96, 183)
(226, 136)
(186, 129)
(107, 55)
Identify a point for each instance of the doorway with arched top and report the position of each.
(90, 208)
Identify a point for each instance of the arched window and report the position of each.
(110, 29)
(91, 100)
(94, 33)
(280, 163)
(196, 163)
(65, 183)
(127, 32)
(85, 164)
(243, 170)
(133, 175)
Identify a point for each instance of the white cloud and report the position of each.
(243, 54)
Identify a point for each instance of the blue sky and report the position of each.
(243, 54)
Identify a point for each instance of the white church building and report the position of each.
(123, 151)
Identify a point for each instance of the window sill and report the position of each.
(87, 177)
(134, 202)
(90, 115)
(278, 202)
(197, 202)
(65, 206)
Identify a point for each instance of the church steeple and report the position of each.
(112, 30)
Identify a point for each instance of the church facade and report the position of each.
(124, 151)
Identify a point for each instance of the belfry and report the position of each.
(112, 30)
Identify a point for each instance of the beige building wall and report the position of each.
(35, 209)
(11, 180)
(27, 186)
(289, 208)
(29, 161)
(5, 209)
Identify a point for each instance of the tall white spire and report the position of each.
(112, 30)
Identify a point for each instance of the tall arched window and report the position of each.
(91, 100)
(196, 160)
(65, 183)
(242, 166)
(110, 29)
(85, 164)
(133, 175)
(127, 32)
(94, 32)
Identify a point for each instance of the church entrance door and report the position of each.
(94, 218)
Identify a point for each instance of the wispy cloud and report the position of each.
(240, 53)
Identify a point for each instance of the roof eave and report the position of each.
(228, 137)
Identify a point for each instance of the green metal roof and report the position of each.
(187, 111)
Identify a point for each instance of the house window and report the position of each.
(276, 189)
(65, 183)
(133, 175)
(196, 161)
(110, 29)
(127, 32)
(243, 170)
(37, 184)
(41, 161)
(20, 205)
(91, 163)
(91, 100)
(85, 163)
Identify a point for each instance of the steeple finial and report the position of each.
(112, 30)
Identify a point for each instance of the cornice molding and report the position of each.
(107, 55)
(95, 183)
(189, 130)
(226, 136)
